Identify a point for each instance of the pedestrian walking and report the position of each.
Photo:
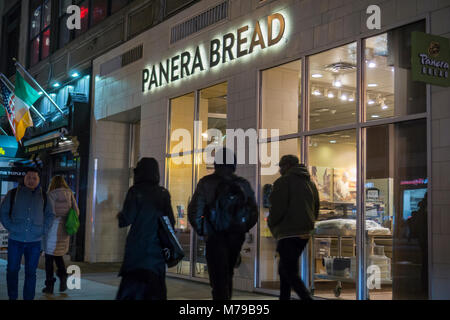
(223, 208)
(56, 240)
(294, 209)
(143, 269)
(27, 214)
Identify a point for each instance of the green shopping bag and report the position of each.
(72, 223)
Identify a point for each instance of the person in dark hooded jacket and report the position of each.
(294, 209)
(222, 247)
(143, 268)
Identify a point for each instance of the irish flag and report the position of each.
(25, 96)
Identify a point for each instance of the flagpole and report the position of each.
(11, 86)
(17, 64)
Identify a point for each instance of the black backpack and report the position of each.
(231, 212)
(12, 200)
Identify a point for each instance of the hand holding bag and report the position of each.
(72, 223)
(172, 249)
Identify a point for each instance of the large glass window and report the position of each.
(186, 163)
(180, 171)
(332, 164)
(332, 87)
(268, 271)
(65, 34)
(180, 187)
(92, 13)
(40, 21)
(281, 97)
(99, 10)
(390, 90)
(396, 188)
(213, 117)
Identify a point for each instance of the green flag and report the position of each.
(25, 96)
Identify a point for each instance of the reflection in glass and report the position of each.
(84, 14)
(99, 10)
(203, 168)
(332, 164)
(281, 97)
(34, 51)
(182, 119)
(35, 24)
(268, 257)
(180, 188)
(213, 114)
(45, 44)
(396, 209)
(47, 14)
(332, 87)
(390, 90)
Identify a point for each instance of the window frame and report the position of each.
(62, 15)
(360, 125)
(42, 31)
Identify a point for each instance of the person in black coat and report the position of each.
(143, 269)
(222, 248)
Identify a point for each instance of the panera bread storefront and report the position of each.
(366, 111)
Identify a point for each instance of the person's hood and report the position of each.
(147, 170)
(300, 171)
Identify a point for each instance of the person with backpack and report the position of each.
(294, 208)
(56, 240)
(143, 269)
(223, 208)
(27, 214)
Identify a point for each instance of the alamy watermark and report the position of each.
(244, 143)
(74, 279)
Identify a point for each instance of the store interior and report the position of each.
(395, 173)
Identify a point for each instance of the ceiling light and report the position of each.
(40, 93)
(337, 83)
(344, 97)
(375, 116)
(316, 75)
(372, 65)
(351, 99)
(371, 102)
(333, 141)
(316, 93)
(56, 85)
(384, 107)
(75, 74)
(331, 95)
(372, 85)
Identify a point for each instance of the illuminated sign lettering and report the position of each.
(230, 47)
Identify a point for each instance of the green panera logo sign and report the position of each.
(430, 59)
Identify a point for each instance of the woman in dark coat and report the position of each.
(143, 269)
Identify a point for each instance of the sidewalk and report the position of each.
(104, 285)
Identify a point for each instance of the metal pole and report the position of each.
(17, 64)
(3, 131)
(11, 86)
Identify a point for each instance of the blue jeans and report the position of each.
(16, 250)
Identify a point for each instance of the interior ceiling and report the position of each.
(331, 111)
(217, 98)
(347, 137)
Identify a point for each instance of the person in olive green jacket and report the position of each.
(294, 209)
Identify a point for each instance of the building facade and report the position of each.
(60, 59)
(340, 96)
(298, 77)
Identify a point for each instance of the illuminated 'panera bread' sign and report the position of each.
(228, 48)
